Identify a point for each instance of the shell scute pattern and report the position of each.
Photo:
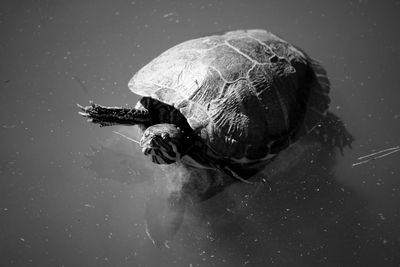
(262, 80)
(205, 43)
(228, 62)
(165, 71)
(252, 48)
(164, 92)
(210, 89)
(239, 119)
(195, 114)
(244, 92)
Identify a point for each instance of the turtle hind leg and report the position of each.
(327, 127)
(331, 131)
(107, 116)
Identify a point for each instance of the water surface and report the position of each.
(58, 210)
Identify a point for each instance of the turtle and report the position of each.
(230, 102)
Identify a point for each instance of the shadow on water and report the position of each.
(303, 216)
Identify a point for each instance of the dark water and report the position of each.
(60, 208)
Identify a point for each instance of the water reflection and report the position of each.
(302, 217)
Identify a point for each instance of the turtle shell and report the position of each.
(245, 92)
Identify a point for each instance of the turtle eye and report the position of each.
(146, 134)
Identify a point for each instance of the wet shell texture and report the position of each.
(245, 92)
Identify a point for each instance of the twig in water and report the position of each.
(370, 157)
(127, 137)
(388, 149)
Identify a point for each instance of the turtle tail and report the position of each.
(326, 126)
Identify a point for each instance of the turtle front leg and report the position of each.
(107, 116)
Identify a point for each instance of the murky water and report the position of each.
(60, 207)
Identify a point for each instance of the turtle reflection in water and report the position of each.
(228, 103)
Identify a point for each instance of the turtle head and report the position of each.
(164, 143)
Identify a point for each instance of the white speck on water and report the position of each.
(11, 126)
(169, 14)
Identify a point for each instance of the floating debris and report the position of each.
(127, 137)
(11, 126)
(376, 155)
(89, 206)
(169, 14)
(380, 215)
(172, 16)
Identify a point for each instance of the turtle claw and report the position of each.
(346, 139)
(87, 108)
(95, 114)
(85, 111)
(341, 138)
(84, 114)
(349, 145)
